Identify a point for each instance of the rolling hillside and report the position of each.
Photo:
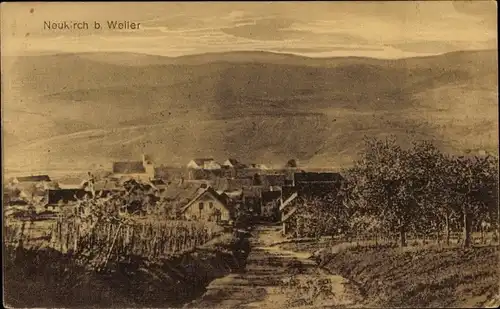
(88, 109)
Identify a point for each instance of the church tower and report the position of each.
(148, 166)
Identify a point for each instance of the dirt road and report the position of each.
(277, 278)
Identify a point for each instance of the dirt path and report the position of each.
(277, 278)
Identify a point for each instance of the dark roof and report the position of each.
(18, 202)
(317, 177)
(131, 167)
(268, 196)
(186, 191)
(33, 178)
(65, 195)
(201, 161)
(275, 179)
(158, 182)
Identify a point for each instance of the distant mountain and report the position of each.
(90, 108)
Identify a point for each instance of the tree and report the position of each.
(385, 180)
(292, 163)
(319, 215)
(428, 167)
(416, 189)
(472, 184)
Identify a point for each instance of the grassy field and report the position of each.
(416, 276)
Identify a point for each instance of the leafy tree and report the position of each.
(385, 180)
(419, 188)
(472, 185)
(319, 215)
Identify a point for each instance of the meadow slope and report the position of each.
(87, 109)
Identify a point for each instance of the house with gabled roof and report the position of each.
(232, 168)
(39, 181)
(204, 163)
(202, 168)
(32, 186)
(208, 205)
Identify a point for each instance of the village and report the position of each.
(236, 226)
(247, 155)
(204, 190)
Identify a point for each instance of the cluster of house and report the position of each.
(204, 168)
(41, 189)
(220, 188)
(271, 194)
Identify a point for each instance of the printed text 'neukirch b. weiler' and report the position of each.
(84, 25)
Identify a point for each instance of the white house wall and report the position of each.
(194, 213)
(193, 165)
(212, 166)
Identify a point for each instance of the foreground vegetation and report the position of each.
(411, 227)
(44, 277)
(413, 276)
(393, 192)
(103, 254)
(420, 277)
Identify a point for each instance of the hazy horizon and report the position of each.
(54, 53)
(382, 30)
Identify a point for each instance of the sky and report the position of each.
(315, 29)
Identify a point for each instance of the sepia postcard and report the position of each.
(250, 154)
